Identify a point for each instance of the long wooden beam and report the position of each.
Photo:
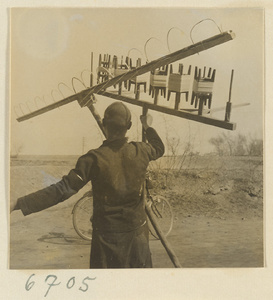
(170, 111)
(170, 58)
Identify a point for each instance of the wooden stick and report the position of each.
(177, 100)
(91, 74)
(144, 113)
(179, 113)
(162, 237)
(230, 87)
(150, 214)
(97, 117)
(229, 104)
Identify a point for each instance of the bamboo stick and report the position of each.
(151, 217)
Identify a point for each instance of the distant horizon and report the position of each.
(165, 155)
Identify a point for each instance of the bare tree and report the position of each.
(219, 144)
(239, 145)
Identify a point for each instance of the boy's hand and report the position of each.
(146, 121)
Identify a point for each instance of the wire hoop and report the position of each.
(135, 49)
(15, 107)
(52, 91)
(86, 70)
(23, 105)
(145, 46)
(39, 98)
(169, 34)
(72, 82)
(62, 83)
(201, 22)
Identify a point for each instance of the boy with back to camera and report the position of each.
(116, 169)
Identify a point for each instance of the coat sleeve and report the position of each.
(58, 192)
(155, 146)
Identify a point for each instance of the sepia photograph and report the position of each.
(136, 138)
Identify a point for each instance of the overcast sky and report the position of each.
(50, 46)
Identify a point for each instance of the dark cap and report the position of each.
(117, 113)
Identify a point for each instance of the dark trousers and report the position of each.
(121, 250)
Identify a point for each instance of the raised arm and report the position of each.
(155, 145)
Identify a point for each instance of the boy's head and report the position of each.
(117, 120)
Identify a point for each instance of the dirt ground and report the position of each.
(217, 204)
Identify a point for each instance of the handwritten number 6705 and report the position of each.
(51, 281)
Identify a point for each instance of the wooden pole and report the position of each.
(162, 237)
(177, 100)
(151, 216)
(170, 111)
(97, 117)
(91, 67)
(144, 113)
(229, 104)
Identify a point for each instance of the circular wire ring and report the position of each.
(169, 34)
(72, 82)
(65, 86)
(201, 22)
(86, 70)
(128, 54)
(145, 50)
